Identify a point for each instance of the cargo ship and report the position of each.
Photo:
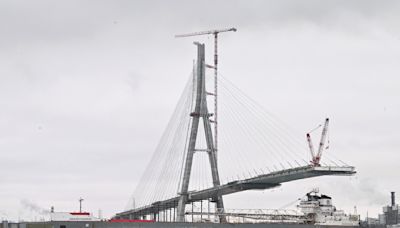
(319, 210)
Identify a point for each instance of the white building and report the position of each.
(72, 216)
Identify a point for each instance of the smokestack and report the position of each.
(393, 199)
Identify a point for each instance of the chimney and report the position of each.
(393, 199)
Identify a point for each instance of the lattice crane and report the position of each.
(207, 32)
(316, 158)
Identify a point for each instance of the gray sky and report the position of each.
(87, 88)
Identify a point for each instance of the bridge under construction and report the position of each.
(261, 182)
(192, 132)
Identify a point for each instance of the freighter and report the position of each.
(318, 209)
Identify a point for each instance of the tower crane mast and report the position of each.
(215, 67)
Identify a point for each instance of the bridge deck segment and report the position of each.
(260, 182)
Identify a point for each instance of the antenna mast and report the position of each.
(80, 205)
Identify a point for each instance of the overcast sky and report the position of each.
(87, 88)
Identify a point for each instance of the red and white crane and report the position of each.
(215, 67)
(316, 158)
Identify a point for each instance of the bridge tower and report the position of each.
(200, 112)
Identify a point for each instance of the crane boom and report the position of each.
(216, 31)
(310, 145)
(322, 142)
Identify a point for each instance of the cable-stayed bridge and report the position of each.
(256, 151)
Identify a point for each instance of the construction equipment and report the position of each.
(206, 32)
(215, 67)
(316, 158)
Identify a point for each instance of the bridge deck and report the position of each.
(260, 182)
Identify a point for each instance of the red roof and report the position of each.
(79, 213)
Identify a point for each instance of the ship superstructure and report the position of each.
(318, 209)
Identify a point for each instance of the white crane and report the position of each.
(215, 67)
(206, 32)
(316, 158)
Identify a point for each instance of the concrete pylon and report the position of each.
(200, 112)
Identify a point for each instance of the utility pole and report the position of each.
(215, 67)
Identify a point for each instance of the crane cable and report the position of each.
(316, 128)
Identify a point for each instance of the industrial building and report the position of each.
(390, 216)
